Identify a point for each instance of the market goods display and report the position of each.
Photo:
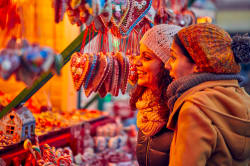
(110, 146)
(107, 73)
(47, 155)
(120, 16)
(27, 61)
(53, 121)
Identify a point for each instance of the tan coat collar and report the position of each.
(195, 89)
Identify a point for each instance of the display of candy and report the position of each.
(54, 120)
(49, 156)
(100, 72)
(27, 145)
(6, 141)
(88, 141)
(27, 61)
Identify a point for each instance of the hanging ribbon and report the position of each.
(84, 41)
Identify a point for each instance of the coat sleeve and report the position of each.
(194, 137)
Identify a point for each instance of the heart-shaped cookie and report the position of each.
(79, 66)
(121, 63)
(108, 81)
(88, 87)
(102, 91)
(101, 71)
(137, 9)
(115, 78)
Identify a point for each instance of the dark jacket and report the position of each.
(154, 150)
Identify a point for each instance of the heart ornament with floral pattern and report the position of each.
(126, 14)
(79, 66)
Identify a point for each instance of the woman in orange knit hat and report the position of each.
(210, 112)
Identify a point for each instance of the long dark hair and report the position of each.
(164, 80)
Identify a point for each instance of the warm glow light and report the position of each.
(205, 19)
(19, 1)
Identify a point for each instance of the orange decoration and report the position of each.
(79, 68)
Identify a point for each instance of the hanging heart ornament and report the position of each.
(79, 66)
(126, 14)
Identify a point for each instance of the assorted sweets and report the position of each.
(55, 120)
(28, 61)
(101, 72)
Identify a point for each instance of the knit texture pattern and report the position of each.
(152, 115)
(159, 40)
(210, 48)
(181, 85)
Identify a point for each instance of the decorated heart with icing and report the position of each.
(89, 88)
(121, 64)
(108, 80)
(115, 78)
(126, 14)
(79, 66)
(101, 71)
(102, 91)
(137, 10)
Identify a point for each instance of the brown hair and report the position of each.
(164, 80)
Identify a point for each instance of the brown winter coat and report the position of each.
(212, 126)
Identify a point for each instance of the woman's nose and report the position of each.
(137, 61)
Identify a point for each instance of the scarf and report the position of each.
(152, 115)
(179, 86)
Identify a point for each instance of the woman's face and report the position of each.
(148, 66)
(178, 64)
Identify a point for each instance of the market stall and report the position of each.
(100, 63)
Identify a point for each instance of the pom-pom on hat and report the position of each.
(241, 48)
(159, 39)
(210, 47)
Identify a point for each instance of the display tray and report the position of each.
(59, 138)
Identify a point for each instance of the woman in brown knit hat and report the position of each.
(210, 112)
(149, 96)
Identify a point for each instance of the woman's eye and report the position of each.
(146, 57)
(172, 58)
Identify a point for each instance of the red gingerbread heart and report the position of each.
(131, 14)
(79, 66)
(108, 80)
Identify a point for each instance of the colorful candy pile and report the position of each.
(100, 72)
(27, 61)
(52, 121)
(49, 155)
(108, 147)
(6, 141)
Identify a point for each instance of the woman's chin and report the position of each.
(141, 82)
